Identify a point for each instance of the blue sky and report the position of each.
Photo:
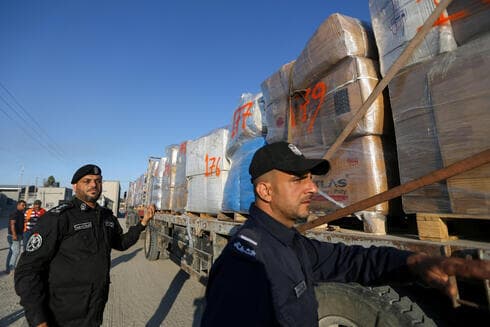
(112, 82)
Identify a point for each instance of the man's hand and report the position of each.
(14, 237)
(435, 271)
(149, 213)
(43, 324)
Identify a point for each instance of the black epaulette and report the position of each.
(61, 208)
(245, 243)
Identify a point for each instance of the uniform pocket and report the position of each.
(69, 303)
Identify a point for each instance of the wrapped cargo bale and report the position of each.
(337, 37)
(168, 176)
(441, 115)
(238, 193)
(395, 23)
(156, 184)
(180, 192)
(207, 169)
(459, 90)
(276, 97)
(140, 188)
(469, 19)
(416, 138)
(320, 112)
(248, 121)
(360, 168)
(151, 172)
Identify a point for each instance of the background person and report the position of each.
(14, 237)
(63, 276)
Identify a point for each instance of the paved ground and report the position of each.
(142, 293)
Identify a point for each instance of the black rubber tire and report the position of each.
(152, 252)
(355, 305)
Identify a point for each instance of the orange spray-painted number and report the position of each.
(445, 18)
(241, 114)
(317, 94)
(212, 166)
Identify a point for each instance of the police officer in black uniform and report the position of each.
(266, 274)
(63, 276)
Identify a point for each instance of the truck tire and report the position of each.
(354, 305)
(152, 251)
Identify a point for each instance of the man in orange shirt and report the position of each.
(30, 220)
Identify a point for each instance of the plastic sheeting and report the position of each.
(168, 176)
(179, 200)
(337, 37)
(395, 23)
(207, 170)
(358, 171)
(248, 121)
(441, 114)
(238, 192)
(320, 112)
(276, 96)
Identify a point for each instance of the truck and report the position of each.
(195, 239)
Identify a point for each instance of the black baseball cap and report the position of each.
(285, 157)
(85, 170)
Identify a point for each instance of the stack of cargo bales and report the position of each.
(156, 184)
(179, 200)
(207, 170)
(441, 114)
(395, 23)
(331, 78)
(338, 37)
(276, 98)
(130, 195)
(151, 172)
(168, 177)
(425, 132)
(246, 136)
(139, 190)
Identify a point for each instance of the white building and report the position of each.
(110, 196)
(53, 196)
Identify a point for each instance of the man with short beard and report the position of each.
(63, 276)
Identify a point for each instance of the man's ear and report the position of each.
(263, 190)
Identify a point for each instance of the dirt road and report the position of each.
(142, 293)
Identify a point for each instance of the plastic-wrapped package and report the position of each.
(395, 23)
(469, 19)
(248, 121)
(460, 94)
(180, 192)
(321, 111)
(337, 37)
(207, 170)
(139, 190)
(168, 176)
(238, 193)
(359, 170)
(276, 96)
(156, 192)
(441, 114)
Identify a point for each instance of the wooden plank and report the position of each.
(432, 228)
(441, 174)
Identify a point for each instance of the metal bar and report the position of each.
(436, 176)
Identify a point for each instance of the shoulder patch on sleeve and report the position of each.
(245, 242)
(62, 207)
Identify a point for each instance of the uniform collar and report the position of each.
(278, 230)
(82, 205)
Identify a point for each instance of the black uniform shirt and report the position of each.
(18, 217)
(63, 276)
(267, 273)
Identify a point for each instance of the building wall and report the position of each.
(53, 196)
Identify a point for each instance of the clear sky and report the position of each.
(113, 82)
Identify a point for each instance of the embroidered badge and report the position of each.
(83, 207)
(295, 150)
(81, 226)
(34, 242)
(109, 224)
(243, 249)
(300, 288)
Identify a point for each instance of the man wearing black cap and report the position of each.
(266, 274)
(63, 276)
